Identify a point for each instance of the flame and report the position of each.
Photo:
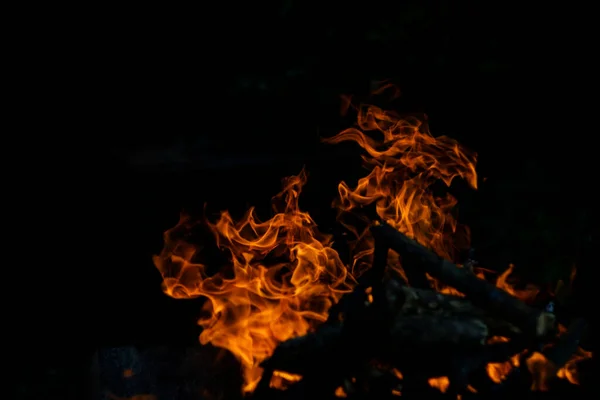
(263, 302)
(528, 294)
(543, 369)
(569, 371)
(340, 392)
(499, 371)
(441, 383)
(403, 162)
(281, 379)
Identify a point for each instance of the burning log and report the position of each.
(406, 300)
(385, 324)
(397, 325)
(436, 332)
(560, 354)
(541, 367)
(316, 357)
(424, 333)
(531, 321)
(298, 355)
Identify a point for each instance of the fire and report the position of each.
(543, 369)
(281, 379)
(499, 371)
(569, 371)
(262, 302)
(441, 383)
(527, 294)
(404, 161)
(283, 274)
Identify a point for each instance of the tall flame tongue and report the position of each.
(264, 302)
(404, 161)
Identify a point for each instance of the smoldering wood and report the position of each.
(323, 358)
(298, 355)
(479, 291)
(371, 278)
(469, 368)
(558, 355)
(437, 331)
(409, 301)
(422, 332)
(414, 273)
(417, 326)
(429, 318)
(461, 364)
(380, 256)
(411, 317)
(567, 345)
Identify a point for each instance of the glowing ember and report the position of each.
(283, 275)
(440, 383)
(499, 371)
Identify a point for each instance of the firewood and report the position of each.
(414, 273)
(299, 355)
(540, 370)
(438, 331)
(409, 301)
(479, 291)
(567, 345)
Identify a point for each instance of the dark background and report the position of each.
(140, 112)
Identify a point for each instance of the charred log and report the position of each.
(384, 324)
(414, 273)
(414, 301)
(480, 292)
(401, 326)
(567, 345)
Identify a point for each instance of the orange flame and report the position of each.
(441, 383)
(499, 371)
(527, 294)
(543, 370)
(263, 303)
(404, 163)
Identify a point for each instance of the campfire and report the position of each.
(407, 313)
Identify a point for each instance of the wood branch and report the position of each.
(438, 331)
(567, 345)
(410, 301)
(422, 332)
(480, 292)
(299, 355)
(544, 369)
(415, 275)
(380, 256)
(322, 358)
(372, 277)
(404, 326)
